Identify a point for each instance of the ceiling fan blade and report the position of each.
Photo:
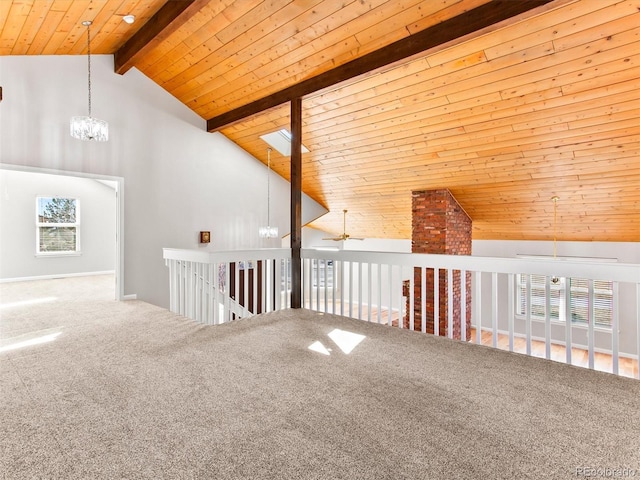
(344, 235)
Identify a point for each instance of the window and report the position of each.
(57, 225)
(322, 273)
(602, 299)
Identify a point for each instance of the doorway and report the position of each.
(100, 224)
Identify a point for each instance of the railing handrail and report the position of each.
(224, 255)
(620, 272)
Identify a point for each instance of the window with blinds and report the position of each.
(579, 298)
(57, 225)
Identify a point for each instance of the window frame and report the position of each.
(76, 225)
(521, 296)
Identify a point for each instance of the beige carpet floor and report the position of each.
(119, 390)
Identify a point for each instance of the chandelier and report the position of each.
(89, 128)
(268, 231)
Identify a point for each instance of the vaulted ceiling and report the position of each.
(504, 112)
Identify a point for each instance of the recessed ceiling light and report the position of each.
(129, 19)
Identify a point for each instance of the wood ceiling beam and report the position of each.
(469, 22)
(171, 16)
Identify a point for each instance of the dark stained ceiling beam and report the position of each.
(472, 21)
(171, 16)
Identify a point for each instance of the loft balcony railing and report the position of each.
(425, 293)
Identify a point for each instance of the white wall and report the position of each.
(313, 238)
(620, 252)
(623, 252)
(178, 178)
(18, 191)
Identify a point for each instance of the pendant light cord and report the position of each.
(268, 186)
(89, 63)
(555, 218)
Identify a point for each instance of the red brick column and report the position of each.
(440, 226)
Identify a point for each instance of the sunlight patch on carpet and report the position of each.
(345, 340)
(320, 348)
(30, 342)
(24, 303)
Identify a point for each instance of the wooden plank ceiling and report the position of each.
(544, 104)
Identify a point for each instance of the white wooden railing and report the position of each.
(369, 286)
(217, 287)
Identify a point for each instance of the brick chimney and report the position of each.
(440, 226)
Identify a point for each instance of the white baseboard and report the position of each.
(58, 275)
(132, 296)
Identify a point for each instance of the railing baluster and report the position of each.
(411, 309)
(351, 289)
(494, 310)
(188, 291)
(436, 301)
(326, 286)
(305, 283)
(204, 285)
(310, 283)
(277, 286)
(198, 305)
(254, 285)
(591, 318)
(638, 331)
(273, 285)
(212, 295)
(215, 293)
(615, 354)
(390, 272)
(227, 296)
(527, 320)
(477, 305)
(317, 283)
(463, 305)
(203, 292)
(547, 318)
(379, 293)
(337, 285)
(369, 299)
(511, 309)
(289, 285)
(289, 281)
(245, 293)
(172, 284)
(567, 319)
(359, 290)
(179, 286)
(423, 299)
(450, 302)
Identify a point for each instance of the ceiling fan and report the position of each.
(344, 235)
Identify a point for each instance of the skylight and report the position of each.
(281, 141)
